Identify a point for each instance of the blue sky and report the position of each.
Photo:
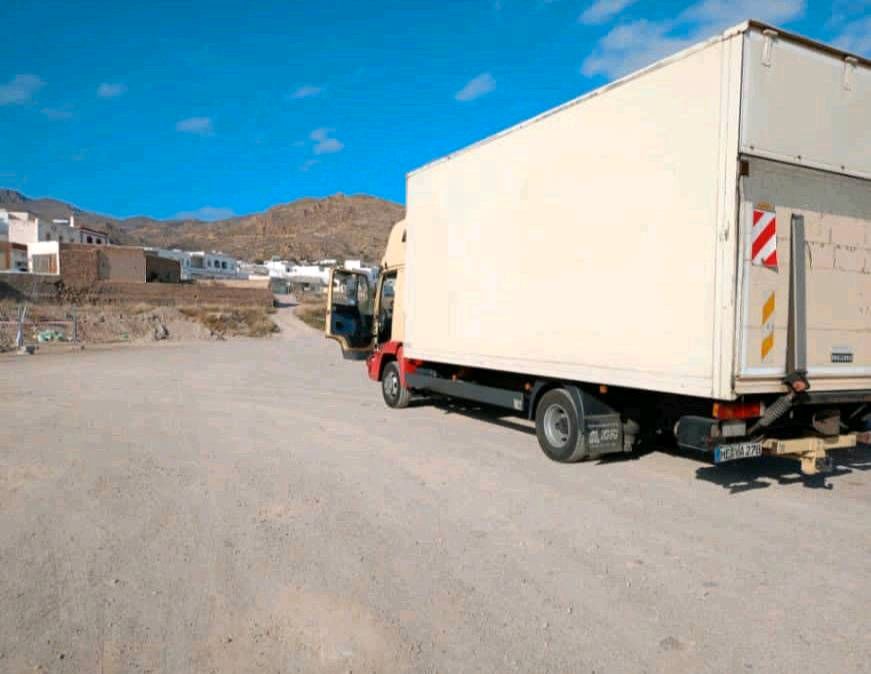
(213, 108)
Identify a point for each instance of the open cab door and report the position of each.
(350, 312)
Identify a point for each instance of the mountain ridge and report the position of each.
(345, 226)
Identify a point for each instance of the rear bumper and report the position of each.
(811, 451)
(813, 397)
(819, 384)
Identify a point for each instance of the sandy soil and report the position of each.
(251, 506)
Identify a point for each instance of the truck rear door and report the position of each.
(805, 149)
(837, 262)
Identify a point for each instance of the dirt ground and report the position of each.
(251, 506)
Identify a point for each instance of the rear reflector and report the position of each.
(738, 410)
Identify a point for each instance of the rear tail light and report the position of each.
(726, 411)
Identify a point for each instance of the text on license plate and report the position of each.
(740, 450)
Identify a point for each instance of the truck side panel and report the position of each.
(583, 245)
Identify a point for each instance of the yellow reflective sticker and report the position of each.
(767, 309)
(767, 344)
(768, 326)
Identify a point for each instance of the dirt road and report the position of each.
(251, 506)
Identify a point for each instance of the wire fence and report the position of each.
(29, 329)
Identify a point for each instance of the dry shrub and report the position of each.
(233, 321)
(140, 308)
(312, 312)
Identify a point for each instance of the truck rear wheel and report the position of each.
(557, 428)
(395, 394)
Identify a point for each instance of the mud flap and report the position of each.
(600, 427)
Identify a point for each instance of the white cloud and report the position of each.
(308, 165)
(716, 15)
(110, 90)
(201, 126)
(603, 10)
(306, 91)
(206, 213)
(636, 44)
(856, 37)
(324, 144)
(632, 46)
(20, 89)
(476, 87)
(56, 113)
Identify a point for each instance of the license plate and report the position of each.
(740, 450)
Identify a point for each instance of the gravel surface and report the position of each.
(252, 506)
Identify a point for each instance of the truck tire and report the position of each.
(395, 394)
(557, 427)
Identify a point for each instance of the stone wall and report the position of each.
(170, 294)
(83, 265)
(121, 263)
(30, 287)
(50, 288)
(78, 265)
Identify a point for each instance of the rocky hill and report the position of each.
(336, 226)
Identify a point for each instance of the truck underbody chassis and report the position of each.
(599, 428)
(577, 421)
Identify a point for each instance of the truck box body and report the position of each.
(611, 240)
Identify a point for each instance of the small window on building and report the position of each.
(99, 240)
(90, 239)
(223, 265)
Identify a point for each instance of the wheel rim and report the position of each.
(557, 426)
(391, 385)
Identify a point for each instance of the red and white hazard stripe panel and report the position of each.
(764, 248)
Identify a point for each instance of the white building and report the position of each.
(86, 235)
(250, 270)
(183, 258)
(212, 265)
(314, 276)
(201, 264)
(26, 228)
(277, 268)
(13, 257)
(43, 257)
(371, 271)
(309, 273)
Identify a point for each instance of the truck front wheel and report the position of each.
(556, 425)
(395, 394)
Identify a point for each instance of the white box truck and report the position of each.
(686, 250)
